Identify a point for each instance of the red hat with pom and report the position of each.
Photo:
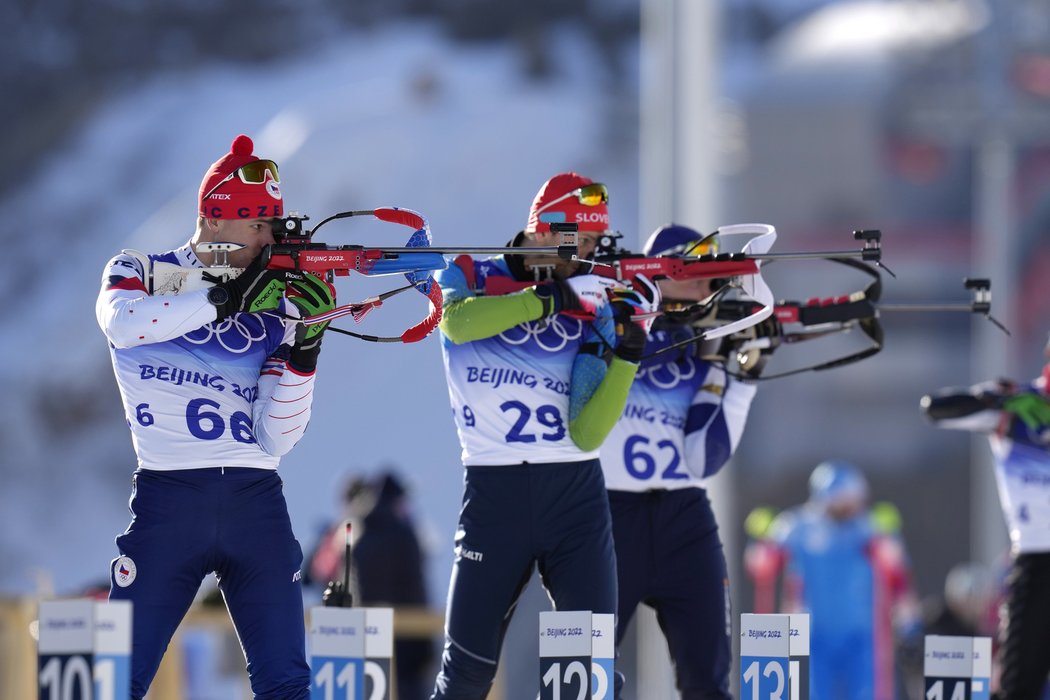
(241, 186)
(570, 198)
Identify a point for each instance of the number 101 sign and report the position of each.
(84, 650)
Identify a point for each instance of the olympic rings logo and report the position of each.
(670, 374)
(235, 334)
(551, 334)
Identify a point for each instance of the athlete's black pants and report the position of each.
(555, 516)
(1024, 630)
(234, 522)
(669, 556)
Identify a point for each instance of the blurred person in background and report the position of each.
(683, 419)
(534, 392)
(325, 564)
(386, 567)
(216, 389)
(844, 563)
(1016, 419)
(388, 564)
(966, 606)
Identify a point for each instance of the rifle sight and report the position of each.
(290, 229)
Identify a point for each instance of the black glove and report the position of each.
(582, 293)
(633, 311)
(630, 335)
(255, 289)
(753, 360)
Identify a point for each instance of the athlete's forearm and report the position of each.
(475, 318)
(978, 411)
(598, 413)
(715, 422)
(283, 407)
(134, 318)
(130, 316)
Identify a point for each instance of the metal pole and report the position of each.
(678, 182)
(995, 251)
(657, 114)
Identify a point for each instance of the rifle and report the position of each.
(732, 274)
(296, 252)
(751, 329)
(794, 322)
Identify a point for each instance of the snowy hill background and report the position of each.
(397, 116)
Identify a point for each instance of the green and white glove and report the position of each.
(1030, 408)
(312, 296)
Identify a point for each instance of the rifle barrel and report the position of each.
(810, 254)
(926, 307)
(542, 250)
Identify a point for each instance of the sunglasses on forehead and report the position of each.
(589, 196)
(253, 173)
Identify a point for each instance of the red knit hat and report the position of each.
(225, 194)
(547, 208)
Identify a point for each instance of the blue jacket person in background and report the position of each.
(845, 564)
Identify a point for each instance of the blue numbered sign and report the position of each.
(957, 668)
(112, 672)
(565, 655)
(764, 657)
(603, 653)
(337, 653)
(379, 649)
(981, 673)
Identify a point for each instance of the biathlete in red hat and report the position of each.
(534, 392)
(216, 388)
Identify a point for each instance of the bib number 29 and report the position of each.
(550, 426)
